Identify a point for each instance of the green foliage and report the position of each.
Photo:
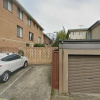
(39, 45)
(13, 98)
(53, 93)
(60, 35)
(21, 52)
(56, 44)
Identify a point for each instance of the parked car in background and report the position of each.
(9, 62)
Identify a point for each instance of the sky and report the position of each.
(52, 15)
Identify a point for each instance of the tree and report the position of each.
(60, 35)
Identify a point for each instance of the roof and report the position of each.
(75, 30)
(95, 24)
(79, 44)
(85, 29)
(81, 29)
(47, 37)
(80, 40)
(24, 10)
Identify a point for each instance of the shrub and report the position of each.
(53, 93)
(56, 44)
(39, 45)
(21, 52)
(13, 98)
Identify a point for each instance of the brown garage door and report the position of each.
(84, 74)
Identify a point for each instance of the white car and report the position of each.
(9, 62)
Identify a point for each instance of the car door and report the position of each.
(9, 63)
(13, 62)
(18, 61)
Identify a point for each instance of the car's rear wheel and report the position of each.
(25, 64)
(5, 77)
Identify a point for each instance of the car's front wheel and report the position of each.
(25, 64)
(5, 77)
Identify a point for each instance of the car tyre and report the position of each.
(5, 77)
(25, 64)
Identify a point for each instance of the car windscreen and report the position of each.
(11, 57)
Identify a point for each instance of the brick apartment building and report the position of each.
(17, 27)
(47, 41)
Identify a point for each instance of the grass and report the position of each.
(53, 93)
(13, 98)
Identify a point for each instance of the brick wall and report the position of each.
(47, 41)
(8, 28)
(39, 55)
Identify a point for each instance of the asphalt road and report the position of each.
(32, 83)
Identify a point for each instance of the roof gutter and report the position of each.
(26, 12)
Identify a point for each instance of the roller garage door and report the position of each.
(84, 74)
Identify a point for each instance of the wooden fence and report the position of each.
(39, 55)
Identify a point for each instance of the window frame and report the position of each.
(10, 57)
(37, 27)
(27, 45)
(7, 5)
(28, 21)
(80, 33)
(34, 24)
(40, 31)
(74, 33)
(88, 36)
(19, 31)
(19, 12)
(32, 36)
(39, 39)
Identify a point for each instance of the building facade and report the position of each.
(95, 30)
(79, 66)
(92, 32)
(17, 27)
(78, 34)
(47, 41)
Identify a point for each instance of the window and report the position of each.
(80, 33)
(39, 40)
(74, 33)
(34, 24)
(19, 14)
(28, 21)
(40, 30)
(87, 35)
(11, 57)
(30, 36)
(27, 44)
(8, 58)
(19, 31)
(37, 27)
(7, 4)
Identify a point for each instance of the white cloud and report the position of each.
(52, 14)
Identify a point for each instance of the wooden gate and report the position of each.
(55, 70)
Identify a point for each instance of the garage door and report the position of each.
(84, 74)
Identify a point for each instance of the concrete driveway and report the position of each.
(78, 96)
(32, 83)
